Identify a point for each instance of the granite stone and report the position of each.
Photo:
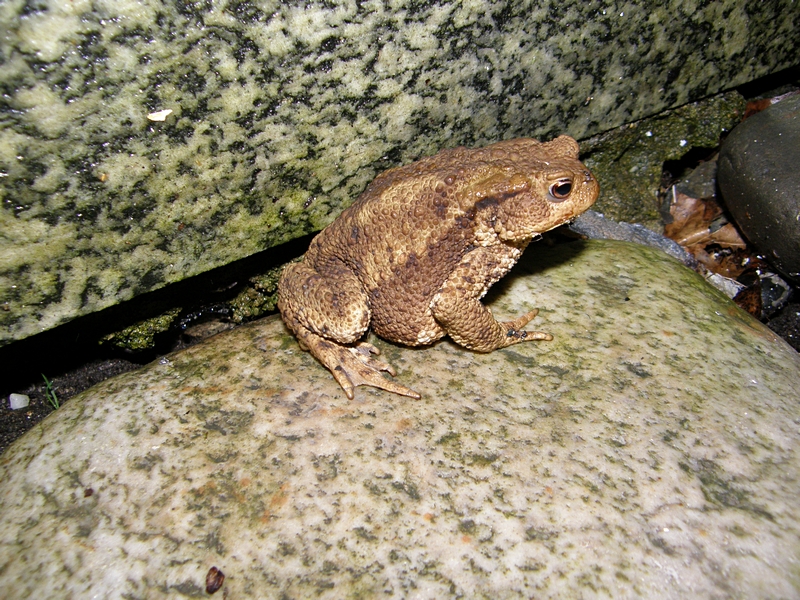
(283, 112)
(649, 451)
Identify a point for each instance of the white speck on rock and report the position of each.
(160, 115)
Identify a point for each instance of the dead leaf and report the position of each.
(749, 299)
(699, 225)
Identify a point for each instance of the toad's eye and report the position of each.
(561, 189)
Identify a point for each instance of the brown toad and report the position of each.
(415, 253)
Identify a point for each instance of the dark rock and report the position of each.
(760, 182)
(700, 182)
(595, 226)
(787, 324)
(775, 293)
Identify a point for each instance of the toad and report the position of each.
(418, 249)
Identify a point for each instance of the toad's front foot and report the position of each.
(354, 365)
(515, 332)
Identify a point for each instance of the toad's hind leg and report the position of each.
(328, 321)
(333, 305)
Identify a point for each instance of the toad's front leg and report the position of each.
(458, 309)
(329, 321)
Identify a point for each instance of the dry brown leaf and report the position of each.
(756, 106)
(719, 249)
(749, 299)
(690, 219)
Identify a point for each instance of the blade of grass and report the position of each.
(50, 393)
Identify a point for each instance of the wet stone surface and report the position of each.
(650, 450)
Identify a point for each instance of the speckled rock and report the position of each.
(283, 112)
(760, 182)
(649, 451)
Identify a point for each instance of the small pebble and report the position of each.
(16, 401)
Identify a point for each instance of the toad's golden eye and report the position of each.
(561, 189)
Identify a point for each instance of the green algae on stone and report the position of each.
(141, 335)
(628, 161)
(258, 298)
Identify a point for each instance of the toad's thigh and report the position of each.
(333, 305)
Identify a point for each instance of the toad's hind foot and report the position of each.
(354, 365)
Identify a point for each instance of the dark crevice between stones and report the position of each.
(72, 357)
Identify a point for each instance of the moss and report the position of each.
(407, 488)
(539, 534)
(481, 460)
(141, 335)
(628, 160)
(449, 438)
(259, 298)
(228, 422)
(365, 534)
